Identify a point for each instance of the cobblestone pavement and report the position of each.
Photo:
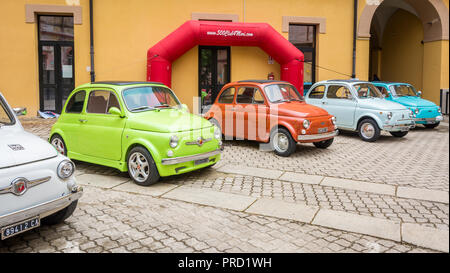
(113, 221)
(421, 159)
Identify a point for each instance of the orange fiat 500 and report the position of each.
(271, 112)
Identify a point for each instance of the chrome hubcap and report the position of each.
(281, 142)
(367, 130)
(138, 166)
(59, 145)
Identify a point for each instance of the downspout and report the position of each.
(91, 30)
(355, 26)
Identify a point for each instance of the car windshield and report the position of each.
(282, 92)
(149, 98)
(6, 117)
(367, 90)
(403, 90)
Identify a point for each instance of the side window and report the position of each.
(227, 96)
(76, 103)
(245, 95)
(338, 92)
(258, 97)
(317, 92)
(383, 91)
(101, 101)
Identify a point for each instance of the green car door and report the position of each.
(100, 133)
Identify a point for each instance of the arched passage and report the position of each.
(209, 33)
(408, 42)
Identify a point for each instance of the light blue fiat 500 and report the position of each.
(359, 106)
(427, 113)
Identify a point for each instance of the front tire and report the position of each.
(324, 143)
(399, 134)
(368, 130)
(282, 142)
(432, 126)
(59, 144)
(60, 216)
(141, 167)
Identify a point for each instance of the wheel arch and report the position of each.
(372, 117)
(145, 144)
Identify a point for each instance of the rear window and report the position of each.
(76, 102)
(317, 92)
(227, 96)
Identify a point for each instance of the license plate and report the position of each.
(201, 161)
(323, 130)
(20, 227)
(431, 122)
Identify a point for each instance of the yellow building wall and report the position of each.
(125, 30)
(402, 51)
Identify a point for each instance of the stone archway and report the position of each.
(408, 42)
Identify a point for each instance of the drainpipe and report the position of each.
(355, 25)
(91, 26)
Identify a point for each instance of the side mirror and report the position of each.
(419, 93)
(115, 111)
(185, 108)
(20, 111)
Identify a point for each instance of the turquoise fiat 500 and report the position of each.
(425, 111)
(360, 106)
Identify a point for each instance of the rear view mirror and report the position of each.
(185, 107)
(419, 93)
(20, 111)
(115, 111)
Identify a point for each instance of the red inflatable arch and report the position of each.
(192, 33)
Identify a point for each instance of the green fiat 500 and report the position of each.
(139, 127)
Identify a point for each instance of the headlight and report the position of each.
(333, 120)
(416, 111)
(389, 115)
(217, 133)
(439, 110)
(411, 114)
(173, 141)
(306, 124)
(65, 169)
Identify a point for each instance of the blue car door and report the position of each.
(340, 102)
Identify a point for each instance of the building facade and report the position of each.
(45, 45)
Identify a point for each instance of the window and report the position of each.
(76, 102)
(5, 115)
(282, 92)
(245, 95)
(227, 95)
(149, 97)
(338, 92)
(367, 90)
(258, 97)
(383, 91)
(317, 92)
(101, 101)
(55, 28)
(303, 37)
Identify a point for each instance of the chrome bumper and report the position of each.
(436, 119)
(399, 127)
(43, 210)
(318, 136)
(176, 160)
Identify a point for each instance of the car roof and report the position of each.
(122, 83)
(347, 81)
(390, 83)
(262, 82)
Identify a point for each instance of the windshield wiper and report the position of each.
(143, 108)
(280, 100)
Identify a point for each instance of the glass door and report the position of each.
(303, 37)
(214, 73)
(56, 61)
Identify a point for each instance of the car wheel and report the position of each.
(282, 142)
(324, 144)
(141, 167)
(432, 126)
(59, 144)
(60, 216)
(368, 130)
(399, 134)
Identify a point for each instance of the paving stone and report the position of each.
(282, 209)
(425, 236)
(423, 194)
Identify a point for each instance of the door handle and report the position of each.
(83, 120)
(324, 102)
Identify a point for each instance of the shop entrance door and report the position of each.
(56, 61)
(213, 73)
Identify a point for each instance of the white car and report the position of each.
(36, 182)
